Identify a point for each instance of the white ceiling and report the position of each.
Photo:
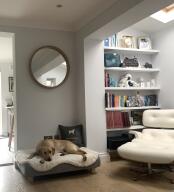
(150, 25)
(44, 13)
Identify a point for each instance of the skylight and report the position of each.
(165, 15)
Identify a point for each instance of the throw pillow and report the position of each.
(72, 133)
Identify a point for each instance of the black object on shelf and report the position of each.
(113, 142)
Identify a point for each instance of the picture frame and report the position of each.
(111, 41)
(144, 43)
(11, 84)
(114, 40)
(127, 41)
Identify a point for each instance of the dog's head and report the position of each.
(47, 152)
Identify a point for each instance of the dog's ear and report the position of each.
(53, 150)
(39, 151)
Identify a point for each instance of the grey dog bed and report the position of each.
(32, 168)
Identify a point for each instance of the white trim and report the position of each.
(131, 108)
(134, 69)
(130, 50)
(131, 88)
(133, 127)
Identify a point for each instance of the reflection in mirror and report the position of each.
(49, 66)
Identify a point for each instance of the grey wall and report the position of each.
(163, 40)
(40, 110)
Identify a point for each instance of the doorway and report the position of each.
(7, 94)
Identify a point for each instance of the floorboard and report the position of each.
(109, 177)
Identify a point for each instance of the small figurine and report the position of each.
(139, 100)
(141, 82)
(126, 81)
(148, 65)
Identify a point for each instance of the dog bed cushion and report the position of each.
(22, 158)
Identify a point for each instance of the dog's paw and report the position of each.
(84, 158)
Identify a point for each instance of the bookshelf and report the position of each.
(137, 72)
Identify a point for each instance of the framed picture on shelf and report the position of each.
(144, 43)
(11, 84)
(106, 42)
(113, 40)
(127, 41)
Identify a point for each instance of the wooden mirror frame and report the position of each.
(60, 52)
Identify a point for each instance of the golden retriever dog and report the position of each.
(48, 147)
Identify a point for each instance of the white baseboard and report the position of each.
(104, 157)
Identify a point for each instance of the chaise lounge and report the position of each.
(156, 142)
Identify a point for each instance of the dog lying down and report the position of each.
(47, 148)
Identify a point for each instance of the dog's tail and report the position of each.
(32, 155)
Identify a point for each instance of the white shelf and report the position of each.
(131, 50)
(134, 69)
(133, 127)
(130, 88)
(130, 108)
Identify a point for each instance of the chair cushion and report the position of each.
(163, 118)
(152, 146)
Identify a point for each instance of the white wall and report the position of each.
(163, 40)
(94, 95)
(120, 16)
(40, 110)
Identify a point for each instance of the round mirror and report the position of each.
(49, 66)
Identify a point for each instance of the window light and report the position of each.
(165, 15)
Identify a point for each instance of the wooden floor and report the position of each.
(110, 177)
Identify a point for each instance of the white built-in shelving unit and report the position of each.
(131, 88)
(151, 72)
(131, 108)
(131, 50)
(132, 69)
(133, 127)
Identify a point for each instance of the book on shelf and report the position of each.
(109, 81)
(114, 101)
(117, 119)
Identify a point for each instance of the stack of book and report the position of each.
(109, 81)
(112, 100)
(117, 119)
